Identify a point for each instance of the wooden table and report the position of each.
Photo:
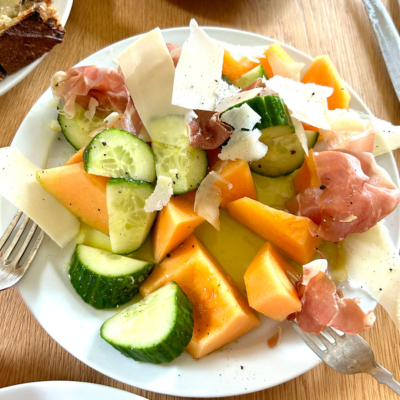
(339, 28)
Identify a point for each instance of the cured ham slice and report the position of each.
(105, 85)
(322, 307)
(355, 194)
(207, 131)
(175, 52)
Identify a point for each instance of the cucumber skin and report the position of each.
(104, 291)
(176, 341)
(254, 169)
(85, 155)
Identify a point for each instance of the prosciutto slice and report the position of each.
(355, 194)
(322, 307)
(207, 131)
(175, 52)
(100, 90)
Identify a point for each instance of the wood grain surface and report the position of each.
(339, 28)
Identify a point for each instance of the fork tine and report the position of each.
(32, 253)
(9, 229)
(293, 278)
(334, 334)
(309, 342)
(22, 249)
(16, 238)
(325, 341)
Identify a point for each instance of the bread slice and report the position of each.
(28, 29)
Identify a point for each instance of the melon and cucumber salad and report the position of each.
(183, 179)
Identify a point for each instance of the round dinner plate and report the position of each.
(64, 390)
(244, 366)
(64, 8)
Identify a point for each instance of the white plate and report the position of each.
(243, 366)
(64, 8)
(64, 390)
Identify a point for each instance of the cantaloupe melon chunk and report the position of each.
(307, 175)
(76, 158)
(174, 224)
(278, 50)
(239, 175)
(83, 194)
(269, 290)
(233, 69)
(291, 234)
(323, 72)
(221, 314)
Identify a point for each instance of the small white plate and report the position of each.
(64, 8)
(64, 390)
(244, 366)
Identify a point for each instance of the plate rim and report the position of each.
(259, 387)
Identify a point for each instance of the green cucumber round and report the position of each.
(285, 154)
(119, 154)
(77, 129)
(186, 165)
(129, 223)
(104, 279)
(156, 329)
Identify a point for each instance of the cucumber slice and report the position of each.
(119, 154)
(76, 130)
(104, 279)
(129, 223)
(285, 154)
(155, 330)
(185, 165)
(250, 77)
(273, 113)
(171, 129)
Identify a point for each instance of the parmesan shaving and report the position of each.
(227, 102)
(161, 195)
(387, 136)
(198, 71)
(224, 89)
(208, 198)
(112, 118)
(299, 131)
(286, 69)
(244, 145)
(253, 53)
(148, 68)
(54, 125)
(93, 103)
(312, 269)
(243, 117)
(18, 184)
(373, 264)
(307, 102)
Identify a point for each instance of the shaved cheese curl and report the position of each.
(208, 198)
(244, 145)
(286, 69)
(161, 195)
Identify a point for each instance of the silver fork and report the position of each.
(11, 271)
(348, 354)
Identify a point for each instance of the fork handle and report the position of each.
(382, 375)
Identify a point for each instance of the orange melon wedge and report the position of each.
(233, 69)
(290, 233)
(323, 72)
(174, 224)
(307, 175)
(221, 314)
(77, 157)
(81, 193)
(269, 290)
(238, 174)
(278, 50)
